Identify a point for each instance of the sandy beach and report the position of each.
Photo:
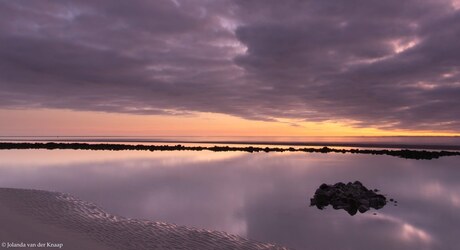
(50, 220)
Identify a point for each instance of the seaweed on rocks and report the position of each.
(351, 197)
(403, 153)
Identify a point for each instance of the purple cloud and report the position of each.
(379, 63)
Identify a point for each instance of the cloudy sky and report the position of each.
(217, 67)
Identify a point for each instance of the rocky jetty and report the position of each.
(403, 153)
(351, 197)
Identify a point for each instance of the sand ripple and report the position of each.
(116, 232)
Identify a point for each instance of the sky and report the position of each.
(230, 68)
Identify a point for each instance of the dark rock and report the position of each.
(403, 153)
(351, 197)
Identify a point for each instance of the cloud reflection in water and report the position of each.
(260, 196)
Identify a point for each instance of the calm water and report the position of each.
(261, 196)
(307, 140)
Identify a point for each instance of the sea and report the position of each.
(261, 196)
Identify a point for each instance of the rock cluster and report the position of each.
(352, 197)
(403, 153)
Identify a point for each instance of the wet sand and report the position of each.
(33, 216)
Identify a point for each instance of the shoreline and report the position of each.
(395, 145)
(35, 216)
(401, 153)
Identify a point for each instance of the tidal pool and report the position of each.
(261, 196)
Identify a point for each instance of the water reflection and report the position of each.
(260, 196)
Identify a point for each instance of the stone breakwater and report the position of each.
(65, 213)
(403, 153)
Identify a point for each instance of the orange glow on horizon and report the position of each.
(54, 122)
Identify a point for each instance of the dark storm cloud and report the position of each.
(388, 64)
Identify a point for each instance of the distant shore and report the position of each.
(60, 221)
(436, 145)
(402, 153)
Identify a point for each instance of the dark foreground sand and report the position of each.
(33, 216)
